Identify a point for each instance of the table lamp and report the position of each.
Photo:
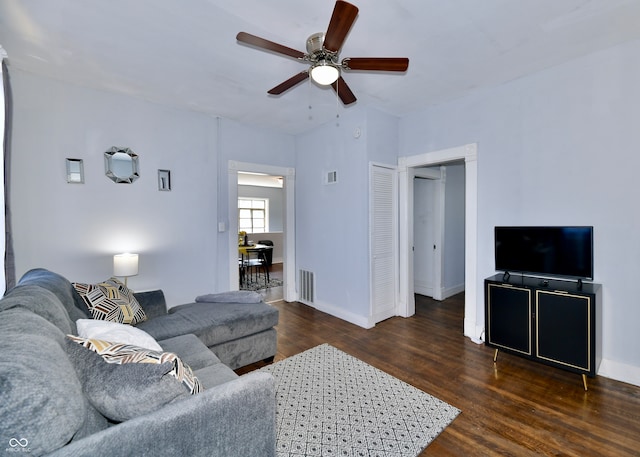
(125, 265)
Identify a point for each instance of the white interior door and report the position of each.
(383, 249)
(424, 235)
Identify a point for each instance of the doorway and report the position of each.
(407, 167)
(288, 225)
(260, 216)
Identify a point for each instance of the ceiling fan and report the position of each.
(322, 55)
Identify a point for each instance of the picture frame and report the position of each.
(164, 180)
(75, 171)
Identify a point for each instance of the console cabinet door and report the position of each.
(563, 329)
(508, 317)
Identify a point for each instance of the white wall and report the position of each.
(332, 219)
(453, 271)
(556, 148)
(331, 235)
(547, 144)
(249, 144)
(75, 229)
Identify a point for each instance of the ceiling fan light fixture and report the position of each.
(325, 73)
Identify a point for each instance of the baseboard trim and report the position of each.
(335, 311)
(451, 291)
(421, 289)
(445, 292)
(620, 372)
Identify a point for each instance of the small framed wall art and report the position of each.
(164, 180)
(75, 171)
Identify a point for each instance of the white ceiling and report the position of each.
(259, 179)
(184, 53)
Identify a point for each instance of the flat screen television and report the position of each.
(547, 251)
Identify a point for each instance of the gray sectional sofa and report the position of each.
(53, 391)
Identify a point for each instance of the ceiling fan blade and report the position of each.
(343, 91)
(268, 45)
(344, 14)
(376, 63)
(289, 83)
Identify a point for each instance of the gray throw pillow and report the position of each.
(122, 392)
(41, 401)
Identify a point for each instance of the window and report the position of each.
(253, 215)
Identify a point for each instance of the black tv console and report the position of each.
(558, 323)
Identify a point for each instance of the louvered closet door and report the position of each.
(383, 213)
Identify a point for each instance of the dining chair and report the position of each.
(242, 269)
(256, 263)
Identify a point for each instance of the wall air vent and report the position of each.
(306, 287)
(331, 177)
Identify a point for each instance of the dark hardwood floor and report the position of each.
(273, 293)
(513, 408)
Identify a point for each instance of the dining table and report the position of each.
(246, 250)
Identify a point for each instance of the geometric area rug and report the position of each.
(329, 403)
(258, 282)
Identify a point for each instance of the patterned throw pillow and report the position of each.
(120, 353)
(122, 392)
(111, 301)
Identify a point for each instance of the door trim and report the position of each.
(289, 235)
(406, 165)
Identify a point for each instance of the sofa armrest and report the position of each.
(233, 419)
(153, 302)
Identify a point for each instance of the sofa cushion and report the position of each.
(41, 397)
(233, 296)
(153, 302)
(122, 392)
(113, 331)
(191, 350)
(213, 323)
(120, 353)
(111, 300)
(61, 287)
(40, 301)
(214, 375)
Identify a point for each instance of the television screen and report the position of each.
(553, 251)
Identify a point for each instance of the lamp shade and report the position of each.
(125, 265)
(324, 73)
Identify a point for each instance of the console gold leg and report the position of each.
(495, 356)
(584, 381)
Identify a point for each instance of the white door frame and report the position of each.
(406, 165)
(289, 238)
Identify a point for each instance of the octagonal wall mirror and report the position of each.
(121, 165)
